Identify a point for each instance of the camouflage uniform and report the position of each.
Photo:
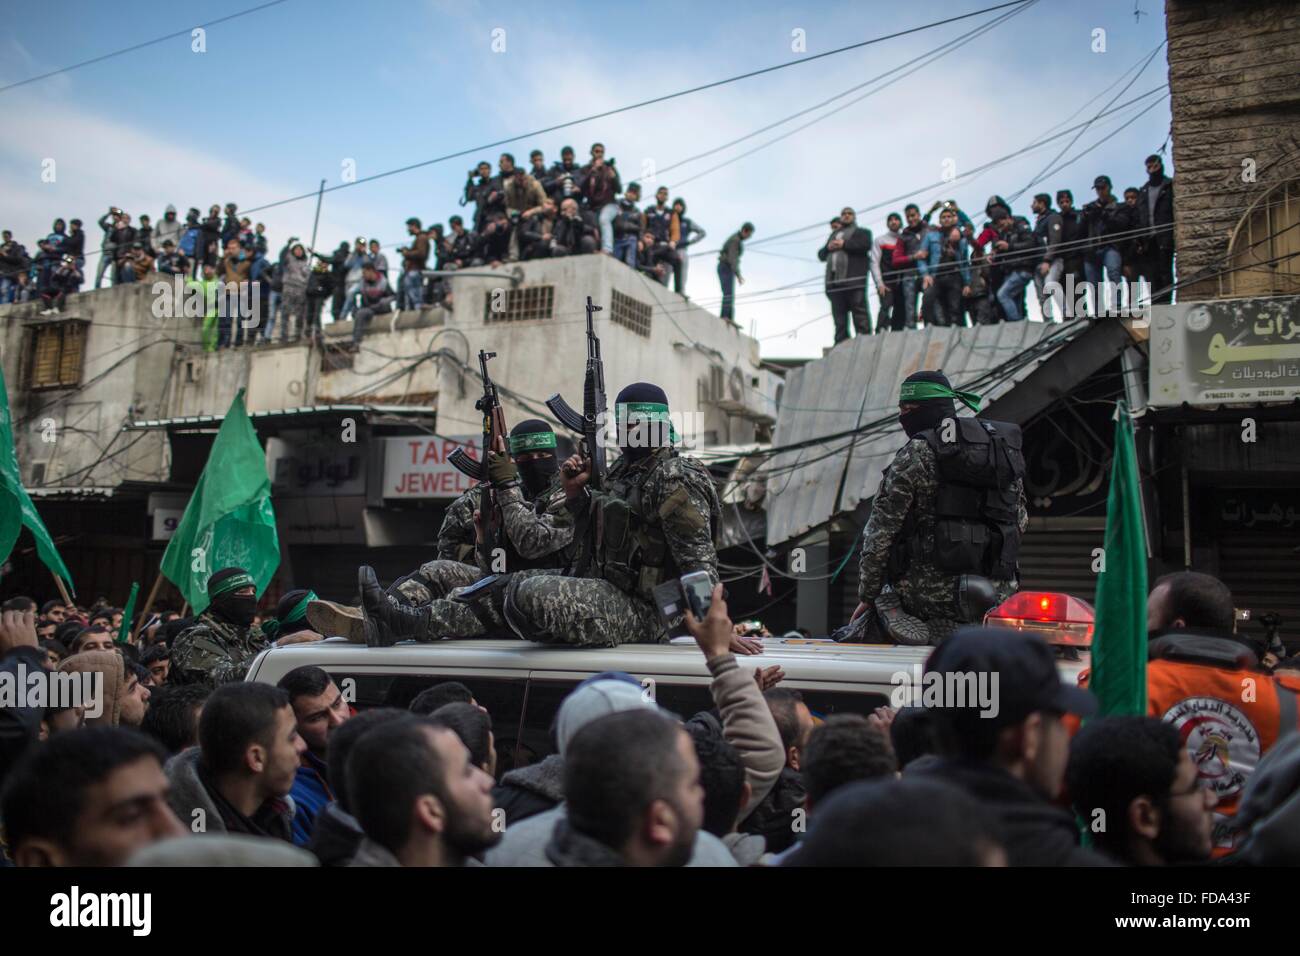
(213, 651)
(538, 533)
(611, 603)
(910, 484)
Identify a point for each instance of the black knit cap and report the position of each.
(642, 392)
(530, 426)
(222, 575)
(935, 377)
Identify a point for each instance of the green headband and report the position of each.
(644, 412)
(920, 391)
(531, 441)
(232, 583)
(272, 627)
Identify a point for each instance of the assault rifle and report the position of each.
(494, 439)
(591, 421)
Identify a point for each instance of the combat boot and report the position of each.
(342, 620)
(386, 620)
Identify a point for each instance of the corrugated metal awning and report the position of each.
(204, 421)
(857, 384)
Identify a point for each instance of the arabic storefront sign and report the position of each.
(416, 466)
(1257, 510)
(1231, 350)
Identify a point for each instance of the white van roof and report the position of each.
(821, 663)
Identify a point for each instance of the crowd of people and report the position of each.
(232, 772)
(950, 274)
(944, 273)
(517, 213)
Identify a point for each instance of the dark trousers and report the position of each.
(1160, 272)
(850, 300)
(942, 301)
(727, 279)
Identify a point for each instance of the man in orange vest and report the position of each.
(1208, 683)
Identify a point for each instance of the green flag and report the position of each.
(1119, 644)
(229, 521)
(128, 612)
(16, 508)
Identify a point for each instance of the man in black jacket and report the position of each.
(1074, 241)
(1016, 253)
(847, 254)
(1110, 222)
(1008, 745)
(1155, 213)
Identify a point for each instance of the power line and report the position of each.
(892, 76)
(139, 46)
(640, 105)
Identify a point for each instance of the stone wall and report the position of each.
(1234, 77)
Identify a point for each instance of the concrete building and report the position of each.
(116, 405)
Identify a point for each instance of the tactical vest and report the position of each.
(976, 519)
(631, 550)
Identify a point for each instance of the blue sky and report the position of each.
(284, 97)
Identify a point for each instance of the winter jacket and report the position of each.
(690, 232)
(909, 243)
(1034, 831)
(882, 252)
(416, 255)
(13, 260)
(1074, 237)
(563, 182)
(525, 844)
(295, 275)
(600, 185)
(1113, 219)
(356, 261)
(336, 837)
(19, 726)
(628, 221)
(1162, 194)
(772, 817)
(521, 197)
(370, 853)
(1047, 232)
(569, 232)
(235, 268)
(110, 664)
(1023, 251)
(373, 293)
(662, 223)
(530, 790)
(748, 725)
(847, 267)
(165, 230)
(311, 793)
(192, 790)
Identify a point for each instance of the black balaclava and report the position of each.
(642, 436)
(235, 609)
(929, 412)
(533, 435)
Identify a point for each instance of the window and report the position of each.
(503, 698)
(58, 349)
(631, 314)
(519, 305)
(1264, 251)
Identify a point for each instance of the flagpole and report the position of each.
(63, 591)
(148, 605)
